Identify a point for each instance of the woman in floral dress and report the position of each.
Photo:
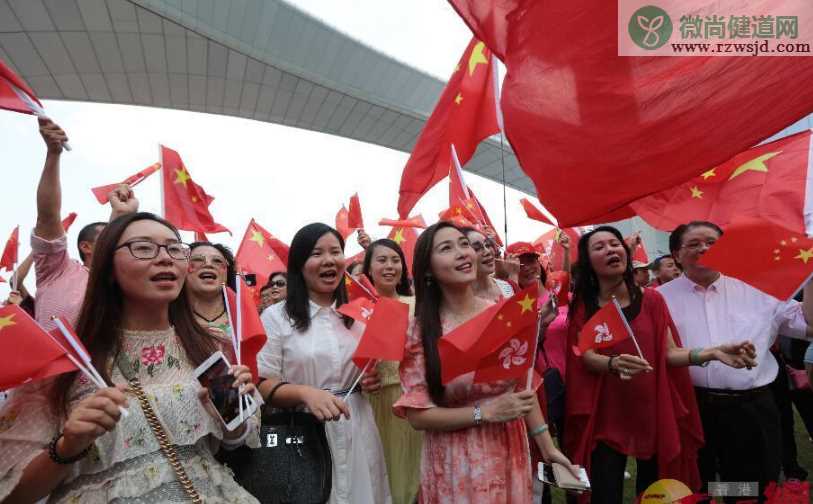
(476, 441)
(66, 438)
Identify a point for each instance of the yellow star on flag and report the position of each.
(696, 192)
(6, 321)
(398, 237)
(182, 176)
(805, 255)
(508, 324)
(477, 57)
(711, 173)
(757, 164)
(257, 237)
(527, 304)
(271, 258)
(458, 98)
(499, 317)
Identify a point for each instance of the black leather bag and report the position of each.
(293, 464)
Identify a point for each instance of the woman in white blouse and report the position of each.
(310, 347)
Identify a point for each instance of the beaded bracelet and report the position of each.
(54, 456)
(539, 430)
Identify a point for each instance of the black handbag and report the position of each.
(554, 389)
(293, 464)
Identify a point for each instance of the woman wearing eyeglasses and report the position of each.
(66, 439)
(210, 266)
(486, 286)
(276, 289)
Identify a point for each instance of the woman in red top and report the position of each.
(619, 404)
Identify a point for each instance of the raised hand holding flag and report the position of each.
(9, 258)
(605, 328)
(102, 192)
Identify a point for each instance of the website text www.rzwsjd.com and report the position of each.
(744, 48)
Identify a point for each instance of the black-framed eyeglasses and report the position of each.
(144, 249)
(278, 284)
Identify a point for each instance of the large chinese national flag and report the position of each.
(768, 182)
(619, 128)
(771, 258)
(606, 328)
(465, 114)
(27, 351)
(261, 253)
(186, 204)
(464, 348)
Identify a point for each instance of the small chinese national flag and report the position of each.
(252, 333)
(68, 221)
(354, 218)
(384, 336)
(773, 259)
(342, 222)
(359, 288)
(464, 348)
(769, 182)
(9, 257)
(15, 95)
(415, 222)
(28, 352)
(604, 329)
(548, 243)
(465, 114)
(534, 213)
(101, 192)
(261, 253)
(186, 204)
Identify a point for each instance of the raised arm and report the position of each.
(49, 190)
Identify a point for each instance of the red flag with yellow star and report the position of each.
(261, 253)
(406, 237)
(469, 346)
(465, 114)
(28, 352)
(548, 244)
(9, 257)
(771, 258)
(384, 336)
(186, 204)
(769, 182)
(101, 192)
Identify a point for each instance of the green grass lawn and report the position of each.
(805, 458)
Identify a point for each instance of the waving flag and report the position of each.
(384, 336)
(578, 115)
(15, 95)
(534, 213)
(465, 114)
(414, 222)
(67, 222)
(354, 219)
(252, 333)
(186, 204)
(261, 253)
(342, 222)
(9, 258)
(101, 192)
(606, 328)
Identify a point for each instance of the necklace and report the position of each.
(207, 319)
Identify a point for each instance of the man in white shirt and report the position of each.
(739, 414)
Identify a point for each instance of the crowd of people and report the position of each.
(698, 401)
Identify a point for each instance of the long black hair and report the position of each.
(297, 304)
(403, 288)
(231, 271)
(586, 289)
(428, 297)
(100, 319)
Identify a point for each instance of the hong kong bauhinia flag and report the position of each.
(618, 128)
(186, 204)
(605, 328)
(465, 114)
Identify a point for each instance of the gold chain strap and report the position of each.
(167, 448)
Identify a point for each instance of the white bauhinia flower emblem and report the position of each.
(603, 333)
(366, 313)
(514, 354)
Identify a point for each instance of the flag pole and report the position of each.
(498, 110)
(358, 379)
(627, 325)
(529, 381)
(234, 336)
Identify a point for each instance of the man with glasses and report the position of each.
(61, 281)
(739, 414)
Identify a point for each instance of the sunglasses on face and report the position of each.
(278, 283)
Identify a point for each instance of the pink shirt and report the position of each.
(61, 281)
(730, 311)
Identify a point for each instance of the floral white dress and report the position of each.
(320, 357)
(126, 464)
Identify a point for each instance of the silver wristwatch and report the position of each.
(478, 415)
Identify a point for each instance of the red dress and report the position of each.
(652, 415)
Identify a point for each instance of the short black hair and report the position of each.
(231, 270)
(676, 238)
(656, 264)
(88, 234)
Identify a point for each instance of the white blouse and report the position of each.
(321, 357)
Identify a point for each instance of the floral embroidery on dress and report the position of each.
(7, 421)
(152, 357)
(135, 439)
(177, 391)
(151, 472)
(188, 427)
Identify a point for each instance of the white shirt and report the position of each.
(320, 357)
(730, 311)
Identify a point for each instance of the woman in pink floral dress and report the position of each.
(476, 442)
